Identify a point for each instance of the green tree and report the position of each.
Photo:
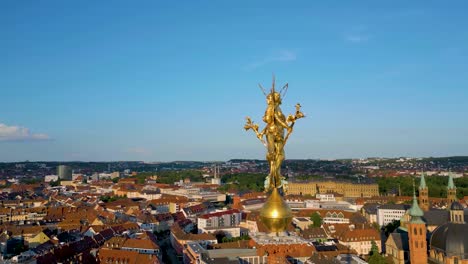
(437, 185)
(317, 219)
(220, 235)
(390, 227)
(374, 248)
(107, 198)
(245, 237)
(375, 226)
(30, 181)
(55, 183)
(19, 248)
(375, 257)
(243, 182)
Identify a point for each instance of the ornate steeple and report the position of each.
(422, 183)
(451, 185)
(417, 233)
(423, 194)
(415, 211)
(451, 190)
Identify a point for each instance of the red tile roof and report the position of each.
(111, 256)
(140, 244)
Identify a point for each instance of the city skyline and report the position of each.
(158, 82)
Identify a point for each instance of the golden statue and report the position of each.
(275, 213)
(274, 133)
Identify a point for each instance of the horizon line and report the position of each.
(212, 161)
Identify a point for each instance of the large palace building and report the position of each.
(344, 188)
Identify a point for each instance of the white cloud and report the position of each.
(357, 34)
(139, 151)
(18, 133)
(356, 38)
(279, 56)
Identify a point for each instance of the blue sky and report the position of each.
(161, 81)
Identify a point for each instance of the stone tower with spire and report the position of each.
(417, 233)
(423, 194)
(451, 190)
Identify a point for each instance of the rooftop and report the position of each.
(267, 239)
(218, 214)
(394, 207)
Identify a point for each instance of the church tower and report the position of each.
(457, 215)
(451, 190)
(423, 194)
(417, 234)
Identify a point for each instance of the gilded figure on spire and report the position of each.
(274, 136)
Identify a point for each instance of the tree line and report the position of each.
(437, 185)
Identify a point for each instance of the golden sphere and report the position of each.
(276, 213)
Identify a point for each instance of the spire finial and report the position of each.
(415, 211)
(451, 184)
(422, 183)
(273, 84)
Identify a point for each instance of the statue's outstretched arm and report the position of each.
(298, 114)
(292, 120)
(251, 125)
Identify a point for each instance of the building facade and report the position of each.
(388, 212)
(64, 172)
(360, 239)
(220, 219)
(344, 188)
